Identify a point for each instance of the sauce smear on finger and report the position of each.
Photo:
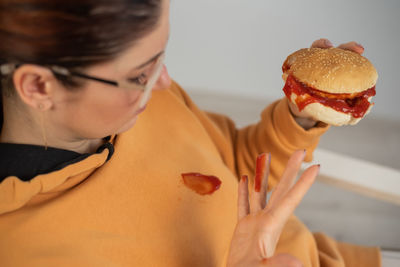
(261, 170)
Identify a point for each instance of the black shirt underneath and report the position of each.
(28, 161)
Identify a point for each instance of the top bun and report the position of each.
(331, 70)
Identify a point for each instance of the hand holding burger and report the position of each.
(333, 85)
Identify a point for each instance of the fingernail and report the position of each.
(244, 178)
(319, 167)
(359, 45)
(328, 43)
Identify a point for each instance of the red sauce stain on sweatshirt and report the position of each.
(200, 183)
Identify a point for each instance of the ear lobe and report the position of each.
(33, 85)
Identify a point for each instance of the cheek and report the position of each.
(101, 114)
(116, 107)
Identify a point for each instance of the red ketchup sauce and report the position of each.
(356, 105)
(261, 170)
(200, 183)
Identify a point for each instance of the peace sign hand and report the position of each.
(260, 224)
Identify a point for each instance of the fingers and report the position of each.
(352, 46)
(322, 43)
(325, 43)
(282, 210)
(259, 193)
(288, 177)
(294, 109)
(243, 198)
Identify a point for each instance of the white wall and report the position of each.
(238, 46)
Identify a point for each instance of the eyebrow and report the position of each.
(148, 61)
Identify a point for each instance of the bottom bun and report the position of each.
(328, 115)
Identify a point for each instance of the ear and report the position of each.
(34, 85)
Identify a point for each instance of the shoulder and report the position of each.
(178, 91)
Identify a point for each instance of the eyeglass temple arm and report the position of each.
(8, 68)
(65, 72)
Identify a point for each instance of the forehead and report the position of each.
(147, 47)
(143, 49)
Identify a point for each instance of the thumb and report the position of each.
(282, 260)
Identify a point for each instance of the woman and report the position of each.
(91, 170)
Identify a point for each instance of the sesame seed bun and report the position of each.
(331, 70)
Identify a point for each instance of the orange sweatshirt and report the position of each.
(134, 210)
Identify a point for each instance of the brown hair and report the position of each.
(70, 33)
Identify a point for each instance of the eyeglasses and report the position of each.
(145, 83)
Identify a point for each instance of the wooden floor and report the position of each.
(346, 216)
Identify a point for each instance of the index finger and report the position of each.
(352, 46)
(282, 210)
(322, 43)
(288, 177)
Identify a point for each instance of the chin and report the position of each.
(127, 126)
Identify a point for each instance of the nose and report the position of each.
(164, 81)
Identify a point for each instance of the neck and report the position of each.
(19, 128)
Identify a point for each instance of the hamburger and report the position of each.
(332, 85)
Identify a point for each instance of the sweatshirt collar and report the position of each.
(16, 193)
